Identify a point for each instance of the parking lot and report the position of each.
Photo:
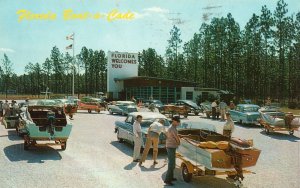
(94, 158)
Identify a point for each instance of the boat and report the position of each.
(45, 120)
(204, 151)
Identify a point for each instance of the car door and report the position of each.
(129, 128)
(235, 113)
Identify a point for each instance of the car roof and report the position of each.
(148, 115)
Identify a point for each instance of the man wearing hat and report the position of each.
(172, 143)
(229, 126)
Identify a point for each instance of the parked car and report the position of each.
(122, 107)
(157, 103)
(206, 108)
(194, 108)
(124, 129)
(45, 120)
(245, 114)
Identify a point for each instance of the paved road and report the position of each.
(94, 158)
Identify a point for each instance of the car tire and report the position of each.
(267, 131)
(196, 113)
(291, 132)
(187, 177)
(123, 114)
(110, 111)
(63, 145)
(89, 111)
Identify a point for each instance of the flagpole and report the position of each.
(73, 65)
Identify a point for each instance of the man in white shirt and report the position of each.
(137, 131)
(154, 131)
(229, 126)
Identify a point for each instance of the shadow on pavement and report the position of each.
(281, 136)
(248, 126)
(153, 167)
(16, 153)
(203, 181)
(123, 147)
(12, 135)
(130, 166)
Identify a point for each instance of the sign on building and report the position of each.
(120, 65)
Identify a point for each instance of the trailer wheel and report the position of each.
(187, 177)
(267, 131)
(64, 145)
(26, 145)
(291, 132)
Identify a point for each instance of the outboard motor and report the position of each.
(51, 119)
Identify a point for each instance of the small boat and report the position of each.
(205, 151)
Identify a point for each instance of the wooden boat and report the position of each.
(210, 152)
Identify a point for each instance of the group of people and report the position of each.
(219, 109)
(155, 129)
(8, 109)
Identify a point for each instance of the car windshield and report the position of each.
(125, 103)
(147, 122)
(251, 109)
(197, 125)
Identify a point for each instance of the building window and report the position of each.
(189, 95)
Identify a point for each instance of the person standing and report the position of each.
(228, 126)
(172, 142)
(231, 105)
(155, 129)
(6, 108)
(222, 107)
(137, 131)
(214, 106)
(1, 110)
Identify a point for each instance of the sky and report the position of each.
(32, 40)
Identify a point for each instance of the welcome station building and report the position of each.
(123, 82)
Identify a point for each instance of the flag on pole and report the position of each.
(69, 47)
(71, 37)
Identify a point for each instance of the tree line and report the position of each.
(258, 61)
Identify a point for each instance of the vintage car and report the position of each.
(122, 107)
(44, 120)
(203, 151)
(91, 104)
(245, 114)
(193, 107)
(157, 103)
(124, 129)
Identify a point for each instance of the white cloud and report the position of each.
(150, 12)
(6, 50)
(156, 10)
